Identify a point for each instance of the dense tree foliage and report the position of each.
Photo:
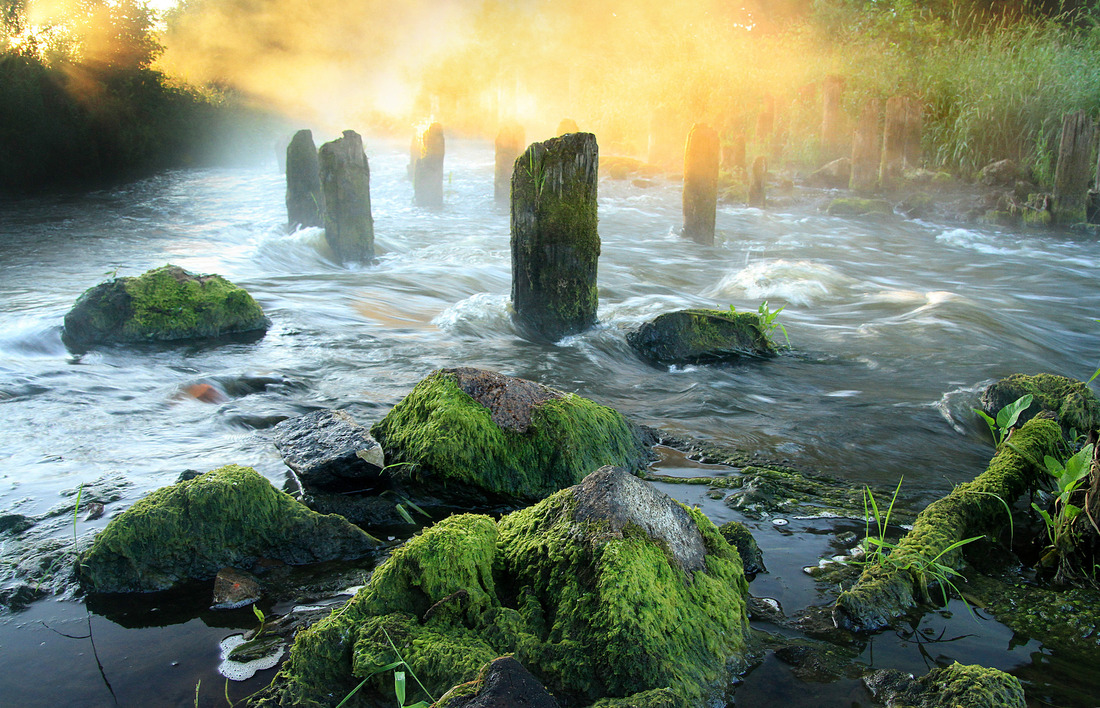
(79, 101)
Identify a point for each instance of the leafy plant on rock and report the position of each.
(1000, 426)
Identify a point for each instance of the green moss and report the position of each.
(886, 590)
(855, 206)
(228, 517)
(170, 303)
(1070, 400)
(448, 437)
(951, 686)
(739, 536)
(592, 614)
(701, 336)
(1001, 217)
(657, 698)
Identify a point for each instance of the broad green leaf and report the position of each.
(1007, 416)
(259, 614)
(399, 686)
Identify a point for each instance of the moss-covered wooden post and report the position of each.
(831, 118)
(900, 139)
(428, 170)
(1074, 170)
(757, 197)
(700, 192)
(509, 144)
(345, 179)
(555, 244)
(867, 149)
(305, 203)
(568, 125)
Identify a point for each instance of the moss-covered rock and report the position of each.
(739, 536)
(1070, 400)
(590, 589)
(655, 698)
(228, 517)
(951, 686)
(887, 589)
(855, 206)
(477, 431)
(164, 304)
(503, 683)
(701, 336)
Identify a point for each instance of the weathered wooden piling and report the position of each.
(555, 244)
(757, 197)
(305, 203)
(568, 125)
(509, 144)
(700, 191)
(832, 118)
(900, 139)
(867, 148)
(428, 170)
(1074, 172)
(345, 179)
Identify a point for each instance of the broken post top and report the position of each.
(700, 190)
(555, 243)
(305, 204)
(345, 176)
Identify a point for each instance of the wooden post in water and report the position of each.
(757, 197)
(555, 244)
(509, 144)
(345, 178)
(305, 203)
(428, 170)
(867, 149)
(831, 118)
(900, 139)
(568, 125)
(700, 195)
(1074, 170)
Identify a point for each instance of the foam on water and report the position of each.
(801, 282)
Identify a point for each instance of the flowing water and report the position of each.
(895, 325)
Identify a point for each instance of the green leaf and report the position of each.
(1043, 513)
(405, 515)
(259, 614)
(399, 686)
(1007, 416)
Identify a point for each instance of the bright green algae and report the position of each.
(951, 686)
(1074, 404)
(190, 530)
(591, 614)
(164, 304)
(885, 591)
(440, 434)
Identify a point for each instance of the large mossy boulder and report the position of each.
(951, 686)
(605, 589)
(164, 304)
(478, 432)
(231, 516)
(701, 336)
(1071, 401)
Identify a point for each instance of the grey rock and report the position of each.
(328, 450)
(613, 497)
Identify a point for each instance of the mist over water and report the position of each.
(894, 326)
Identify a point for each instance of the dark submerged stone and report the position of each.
(701, 336)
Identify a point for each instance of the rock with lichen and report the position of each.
(1071, 401)
(970, 685)
(607, 589)
(328, 450)
(700, 336)
(494, 437)
(231, 516)
(164, 304)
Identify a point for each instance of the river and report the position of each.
(894, 326)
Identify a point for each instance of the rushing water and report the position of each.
(895, 325)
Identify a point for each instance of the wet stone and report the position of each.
(504, 683)
(614, 497)
(234, 588)
(510, 400)
(328, 450)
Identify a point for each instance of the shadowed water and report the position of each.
(894, 326)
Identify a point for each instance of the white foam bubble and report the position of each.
(797, 282)
(241, 671)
